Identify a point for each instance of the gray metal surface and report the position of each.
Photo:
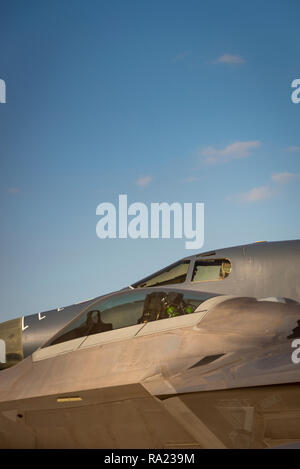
(259, 270)
(249, 340)
(222, 376)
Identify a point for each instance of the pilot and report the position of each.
(159, 305)
(153, 307)
(174, 305)
(94, 323)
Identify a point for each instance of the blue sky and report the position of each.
(186, 101)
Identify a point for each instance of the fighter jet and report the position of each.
(202, 354)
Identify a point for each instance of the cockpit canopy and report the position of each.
(201, 270)
(130, 308)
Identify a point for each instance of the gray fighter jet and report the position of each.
(202, 354)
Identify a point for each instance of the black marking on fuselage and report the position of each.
(208, 359)
(296, 332)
